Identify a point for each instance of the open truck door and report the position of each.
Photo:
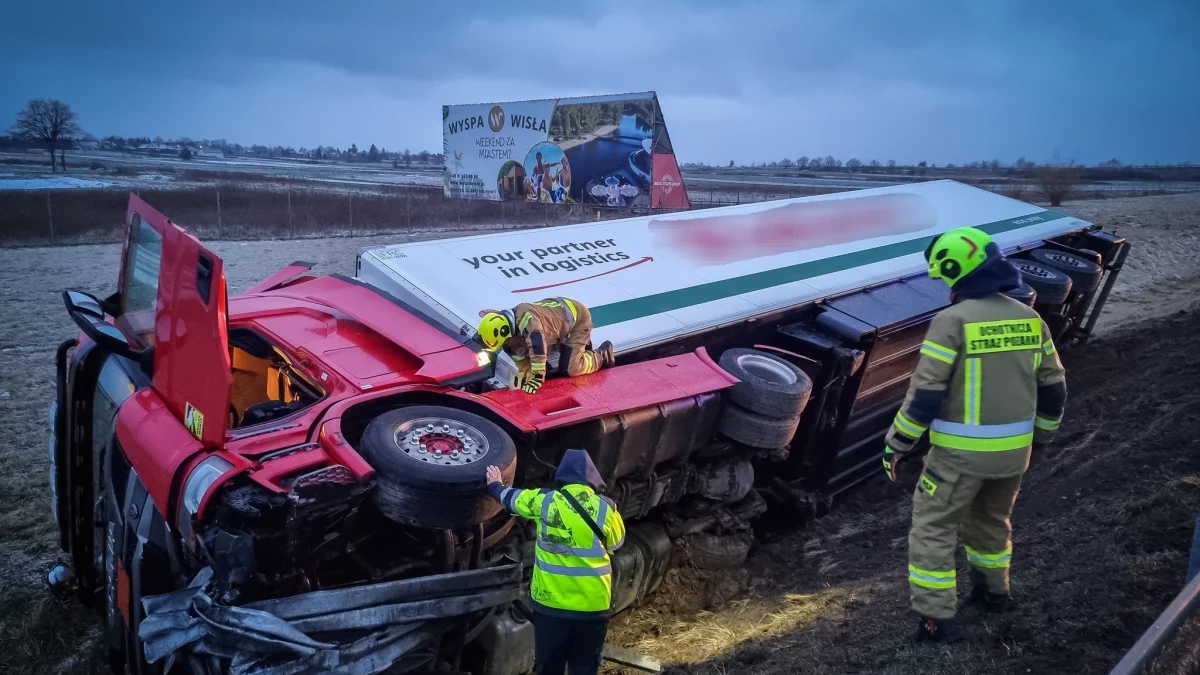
(173, 300)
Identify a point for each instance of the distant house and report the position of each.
(156, 149)
(87, 145)
(211, 152)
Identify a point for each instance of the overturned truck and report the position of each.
(292, 479)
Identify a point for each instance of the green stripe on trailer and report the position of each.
(637, 308)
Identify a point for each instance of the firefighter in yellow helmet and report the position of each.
(988, 388)
(532, 329)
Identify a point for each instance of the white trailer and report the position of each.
(655, 279)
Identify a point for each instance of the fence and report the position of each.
(239, 212)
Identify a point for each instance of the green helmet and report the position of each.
(956, 254)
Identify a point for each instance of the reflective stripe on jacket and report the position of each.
(983, 366)
(573, 569)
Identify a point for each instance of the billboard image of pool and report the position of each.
(601, 151)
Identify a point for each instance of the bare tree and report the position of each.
(802, 163)
(854, 164)
(1057, 179)
(51, 123)
(785, 163)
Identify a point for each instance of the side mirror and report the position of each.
(88, 313)
(84, 303)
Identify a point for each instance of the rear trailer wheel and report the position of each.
(1052, 286)
(754, 430)
(1085, 274)
(768, 385)
(431, 465)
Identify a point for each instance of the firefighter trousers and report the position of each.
(948, 505)
(575, 357)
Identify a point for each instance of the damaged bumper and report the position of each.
(357, 631)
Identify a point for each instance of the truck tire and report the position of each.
(1052, 286)
(1085, 274)
(754, 430)
(769, 385)
(715, 552)
(431, 465)
(1024, 295)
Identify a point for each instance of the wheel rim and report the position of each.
(768, 369)
(445, 442)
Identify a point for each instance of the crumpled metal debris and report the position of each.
(355, 631)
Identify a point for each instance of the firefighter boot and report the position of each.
(605, 352)
(944, 631)
(980, 595)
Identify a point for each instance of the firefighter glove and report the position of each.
(532, 385)
(890, 459)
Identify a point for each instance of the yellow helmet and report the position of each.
(957, 253)
(494, 329)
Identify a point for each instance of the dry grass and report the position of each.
(709, 635)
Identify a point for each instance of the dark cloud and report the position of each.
(749, 80)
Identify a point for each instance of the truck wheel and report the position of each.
(713, 552)
(1024, 295)
(431, 465)
(1052, 286)
(1085, 274)
(754, 430)
(769, 385)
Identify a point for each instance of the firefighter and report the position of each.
(988, 389)
(577, 532)
(532, 329)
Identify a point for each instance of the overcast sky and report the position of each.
(740, 80)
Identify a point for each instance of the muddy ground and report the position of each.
(1102, 531)
(1101, 528)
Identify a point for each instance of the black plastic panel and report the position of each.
(896, 303)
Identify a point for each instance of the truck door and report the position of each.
(173, 299)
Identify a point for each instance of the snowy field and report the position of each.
(57, 183)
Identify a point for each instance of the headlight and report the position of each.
(483, 359)
(194, 488)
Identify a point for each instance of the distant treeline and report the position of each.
(178, 146)
(1021, 169)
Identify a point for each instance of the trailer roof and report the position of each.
(654, 278)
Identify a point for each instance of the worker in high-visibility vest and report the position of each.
(988, 388)
(577, 532)
(532, 329)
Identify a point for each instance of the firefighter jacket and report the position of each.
(988, 385)
(540, 326)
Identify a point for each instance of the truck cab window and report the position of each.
(139, 289)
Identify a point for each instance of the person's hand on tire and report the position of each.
(494, 475)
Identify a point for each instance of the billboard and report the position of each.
(595, 150)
